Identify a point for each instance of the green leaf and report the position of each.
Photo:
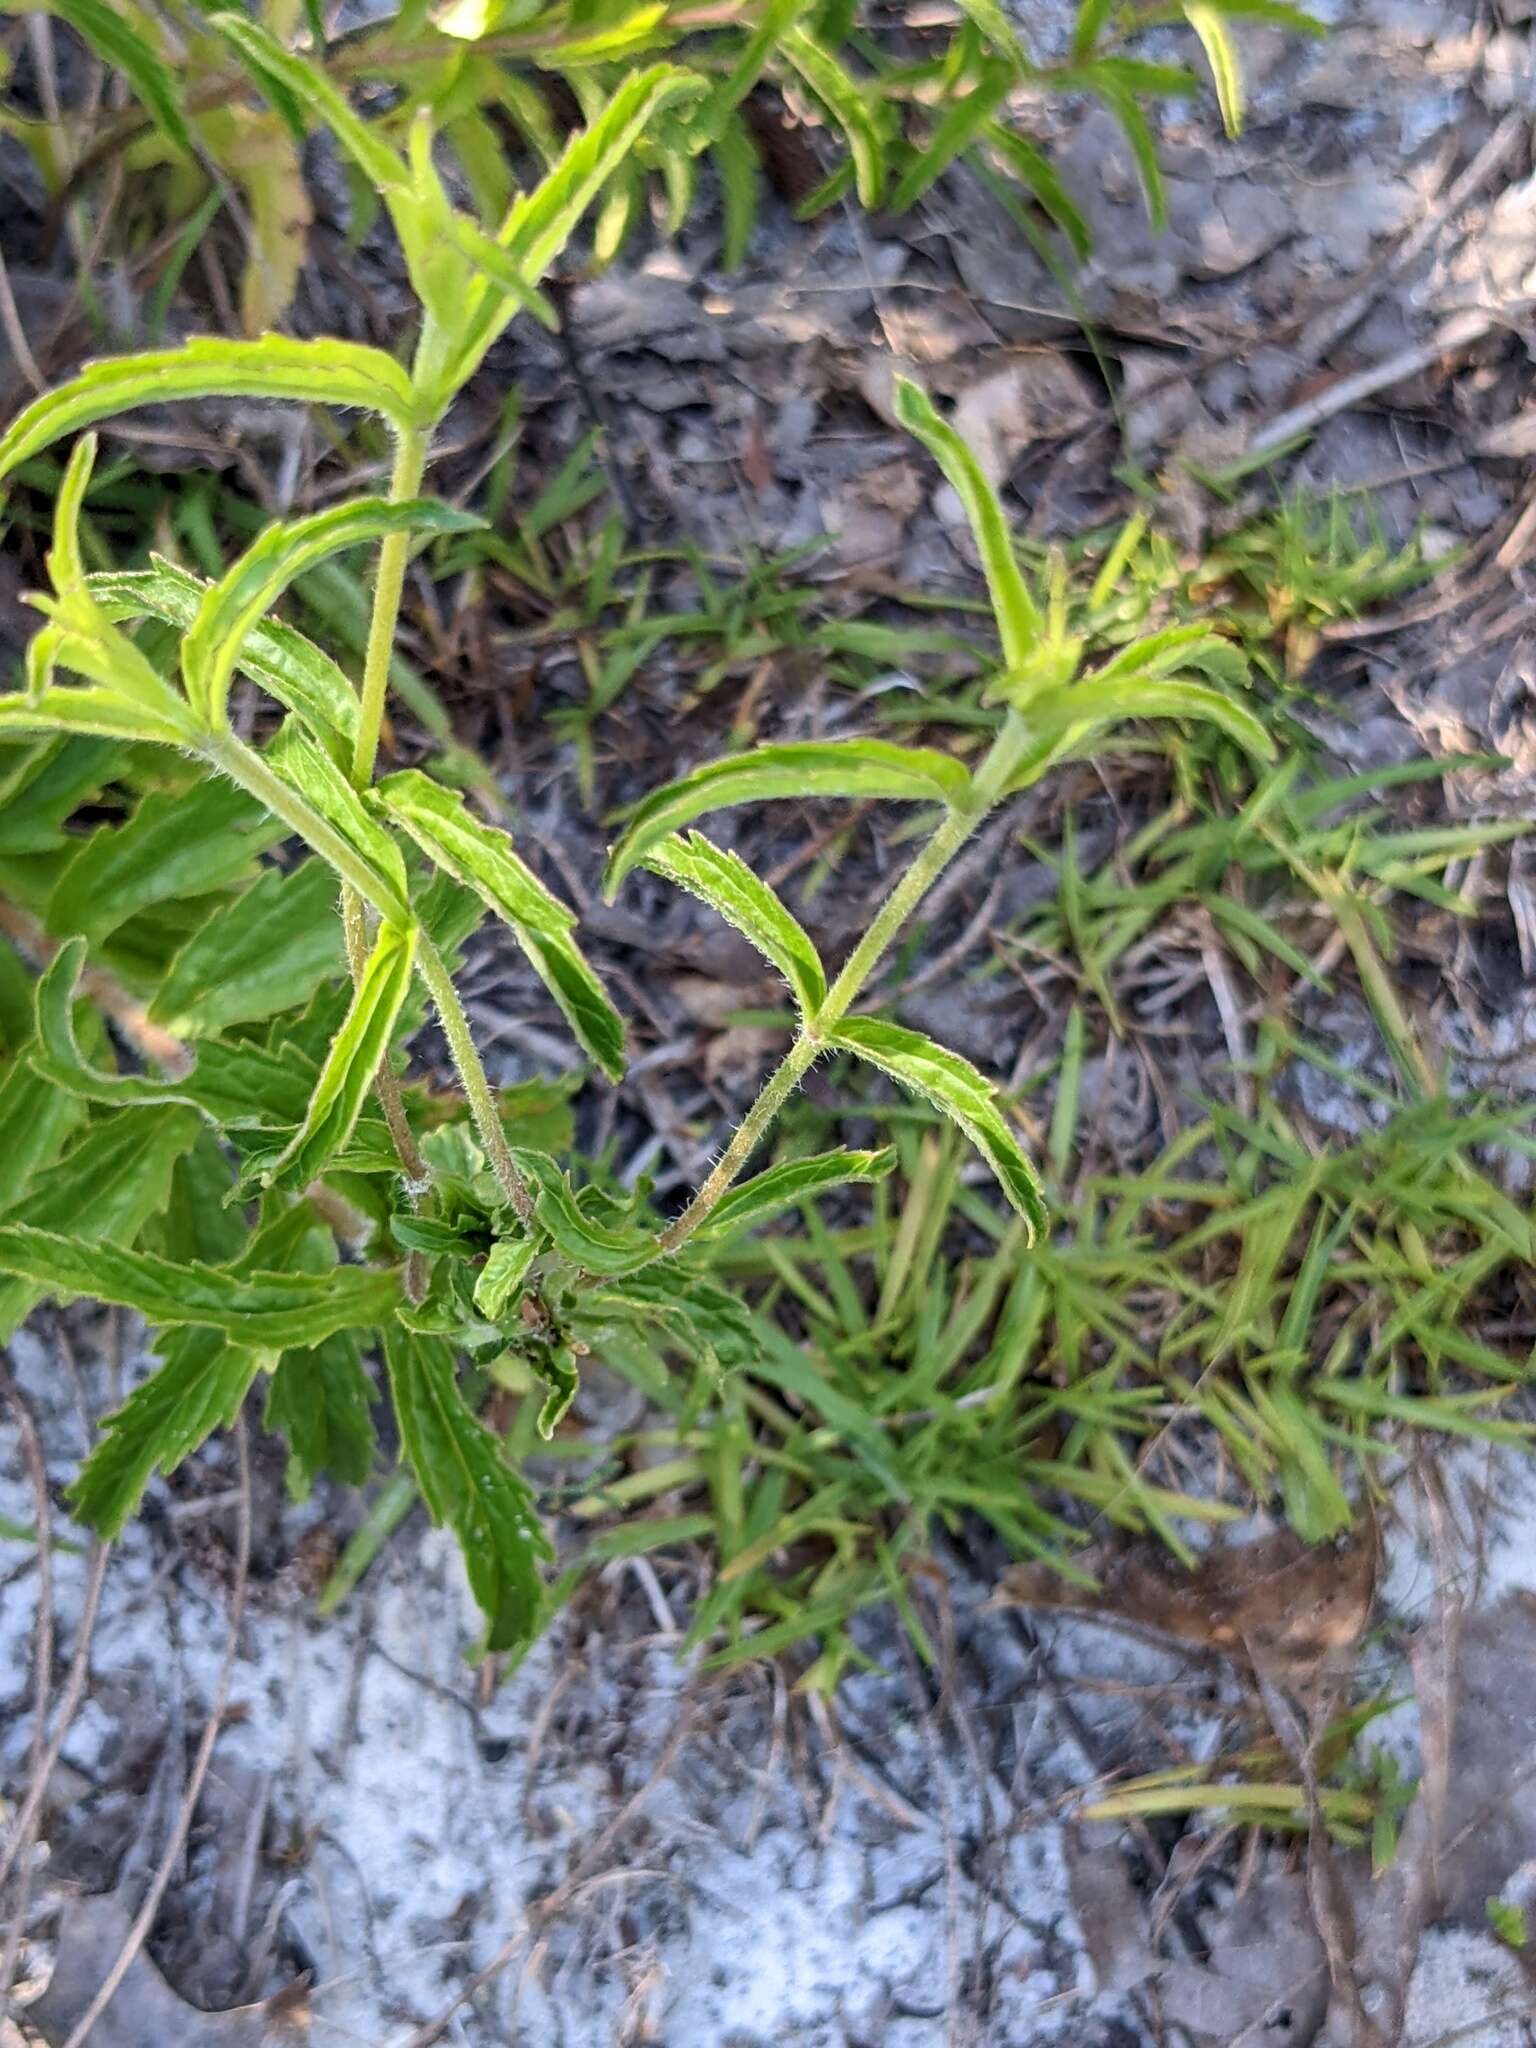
(555, 1365)
(848, 107)
(467, 1484)
(283, 663)
(999, 31)
(270, 62)
(482, 858)
(37, 1119)
(489, 256)
(583, 1239)
(501, 1278)
(963, 120)
(55, 1052)
(539, 225)
(725, 882)
(1019, 623)
(102, 713)
(1091, 17)
(43, 782)
(322, 785)
(265, 952)
(122, 49)
(1206, 20)
(232, 606)
(711, 119)
(184, 844)
(794, 1180)
(103, 1190)
(1133, 123)
(320, 1401)
(802, 769)
(264, 1310)
(479, 855)
(350, 1065)
(968, 1097)
(1039, 175)
(340, 373)
(740, 173)
(197, 1389)
(1081, 707)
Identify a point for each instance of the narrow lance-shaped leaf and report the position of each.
(266, 1310)
(341, 373)
(792, 1181)
(1082, 706)
(100, 713)
(267, 57)
(56, 1054)
(351, 1063)
(229, 608)
(847, 105)
(482, 858)
(539, 225)
(285, 664)
(1221, 54)
(962, 122)
(725, 882)
(1018, 618)
(124, 49)
(954, 1086)
(809, 768)
(467, 1484)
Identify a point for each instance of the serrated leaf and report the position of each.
(848, 107)
(1019, 623)
(266, 951)
(43, 782)
(963, 1094)
(103, 1189)
(707, 1320)
(962, 121)
(1221, 54)
(197, 1389)
(793, 1180)
(802, 769)
(184, 844)
(229, 608)
(320, 1402)
(323, 786)
(725, 882)
(264, 1310)
(468, 1486)
(283, 662)
(123, 49)
(340, 373)
(482, 858)
(347, 1073)
(37, 1121)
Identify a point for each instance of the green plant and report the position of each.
(251, 1205)
(899, 103)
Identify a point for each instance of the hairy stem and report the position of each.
(811, 1039)
(389, 582)
(477, 1088)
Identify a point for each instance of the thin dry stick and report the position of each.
(42, 1637)
(74, 1689)
(1458, 332)
(16, 334)
(139, 1932)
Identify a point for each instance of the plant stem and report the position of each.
(477, 1088)
(389, 583)
(812, 1037)
(244, 765)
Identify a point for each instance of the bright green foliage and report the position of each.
(272, 1197)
